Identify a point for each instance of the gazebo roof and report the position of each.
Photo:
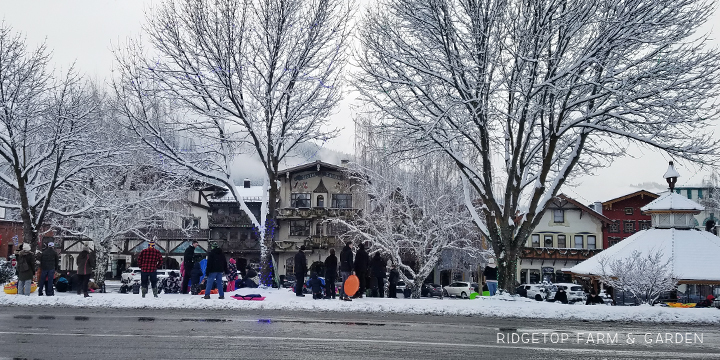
(672, 201)
(693, 254)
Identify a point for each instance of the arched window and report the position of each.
(320, 201)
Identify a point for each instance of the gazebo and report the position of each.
(692, 254)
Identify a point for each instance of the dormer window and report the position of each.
(559, 216)
(320, 201)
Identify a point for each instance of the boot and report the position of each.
(206, 297)
(143, 291)
(86, 295)
(155, 292)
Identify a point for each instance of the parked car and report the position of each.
(520, 290)
(538, 292)
(431, 290)
(575, 292)
(130, 275)
(461, 289)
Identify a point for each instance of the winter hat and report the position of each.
(51, 244)
(86, 248)
(232, 261)
(173, 274)
(151, 244)
(25, 247)
(214, 245)
(491, 262)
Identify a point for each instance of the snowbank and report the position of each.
(284, 299)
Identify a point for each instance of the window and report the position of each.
(689, 193)
(561, 241)
(578, 241)
(613, 240)
(335, 229)
(629, 227)
(300, 228)
(318, 229)
(342, 201)
(320, 201)
(191, 223)
(591, 242)
(300, 200)
(645, 224)
(535, 240)
(614, 227)
(628, 211)
(700, 195)
(559, 216)
(548, 241)
(290, 265)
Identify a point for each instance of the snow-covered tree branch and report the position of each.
(524, 95)
(242, 76)
(645, 276)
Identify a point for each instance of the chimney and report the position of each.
(598, 207)
(246, 183)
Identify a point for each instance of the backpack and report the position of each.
(136, 288)
(23, 264)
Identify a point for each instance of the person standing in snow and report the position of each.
(594, 299)
(300, 271)
(346, 266)
(85, 263)
(25, 269)
(378, 273)
(231, 275)
(49, 261)
(196, 274)
(490, 274)
(331, 264)
(393, 280)
(216, 267)
(148, 261)
(362, 261)
(561, 296)
(188, 256)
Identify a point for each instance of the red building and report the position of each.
(11, 232)
(626, 216)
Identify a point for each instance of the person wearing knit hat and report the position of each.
(490, 274)
(149, 260)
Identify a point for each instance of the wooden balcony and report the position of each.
(542, 253)
(174, 234)
(312, 213)
(239, 220)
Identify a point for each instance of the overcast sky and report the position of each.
(85, 31)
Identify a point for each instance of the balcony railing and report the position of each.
(308, 213)
(558, 253)
(229, 221)
(174, 234)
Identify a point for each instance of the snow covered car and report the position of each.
(538, 292)
(461, 289)
(575, 292)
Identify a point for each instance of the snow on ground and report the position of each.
(284, 299)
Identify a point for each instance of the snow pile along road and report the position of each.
(284, 299)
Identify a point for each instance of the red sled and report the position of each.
(255, 297)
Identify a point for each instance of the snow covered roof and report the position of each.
(672, 201)
(693, 254)
(251, 193)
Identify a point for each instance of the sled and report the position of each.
(681, 305)
(473, 295)
(11, 288)
(213, 291)
(486, 293)
(255, 297)
(352, 285)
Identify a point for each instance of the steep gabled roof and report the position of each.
(584, 208)
(311, 166)
(631, 195)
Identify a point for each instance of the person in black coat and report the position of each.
(188, 266)
(594, 299)
(362, 260)
(300, 270)
(561, 296)
(393, 280)
(331, 263)
(346, 267)
(377, 266)
(216, 267)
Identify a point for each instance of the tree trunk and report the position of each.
(267, 272)
(417, 289)
(507, 271)
(101, 258)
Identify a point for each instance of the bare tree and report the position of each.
(645, 276)
(48, 132)
(412, 217)
(523, 95)
(252, 76)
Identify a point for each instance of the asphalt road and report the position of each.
(60, 333)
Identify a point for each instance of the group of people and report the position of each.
(45, 266)
(372, 270)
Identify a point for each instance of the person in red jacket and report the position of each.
(148, 261)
